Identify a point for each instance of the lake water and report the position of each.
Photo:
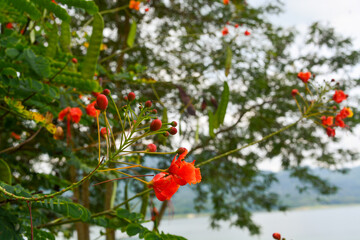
(331, 223)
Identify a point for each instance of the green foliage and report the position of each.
(132, 33)
(39, 64)
(89, 6)
(25, 6)
(65, 37)
(228, 60)
(54, 8)
(52, 41)
(5, 173)
(93, 51)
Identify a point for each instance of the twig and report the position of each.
(21, 144)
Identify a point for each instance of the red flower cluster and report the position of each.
(180, 173)
(328, 122)
(134, 5)
(304, 76)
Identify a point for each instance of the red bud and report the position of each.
(154, 111)
(155, 125)
(173, 123)
(74, 60)
(131, 96)
(181, 150)
(106, 92)
(276, 236)
(148, 104)
(102, 101)
(151, 147)
(172, 131)
(103, 132)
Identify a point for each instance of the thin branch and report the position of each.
(23, 143)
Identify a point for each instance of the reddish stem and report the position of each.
(31, 222)
(68, 134)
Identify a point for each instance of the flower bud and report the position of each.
(126, 98)
(154, 111)
(106, 92)
(166, 134)
(151, 147)
(74, 60)
(95, 94)
(59, 133)
(103, 132)
(148, 104)
(155, 125)
(102, 101)
(173, 123)
(172, 131)
(294, 92)
(131, 96)
(181, 150)
(276, 236)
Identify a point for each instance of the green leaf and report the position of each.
(26, 6)
(52, 41)
(39, 64)
(55, 8)
(133, 229)
(12, 52)
(228, 60)
(5, 173)
(10, 72)
(221, 111)
(65, 37)
(9, 226)
(93, 51)
(152, 236)
(132, 33)
(122, 213)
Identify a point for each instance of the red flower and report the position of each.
(339, 122)
(330, 132)
(225, 31)
(276, 236)
(9, 25)
(236, 25)
(146, 9)
(184, 172)
(294, 92)
(134, 5)
(226, 2)
(72, 114)
(327, 121)
(16, 136)
(91, 110)
(164, 186)
(304, 76)
(246, 33)
(148, 104)
(339, 96)
(54, 1)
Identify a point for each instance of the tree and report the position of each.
(226, 90)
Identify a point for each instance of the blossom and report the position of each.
(184, 172)
(134, 5)
(16, 136)
(9, 25)
(327, 121)
(330, 132)
(339, 96)
(72, 114)
(103, 132)
(339, 122)
(247, 33)
(346, 112)
(304, 76)
(226, 2)
(164, 186)
(225, 31)
(91, 110)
